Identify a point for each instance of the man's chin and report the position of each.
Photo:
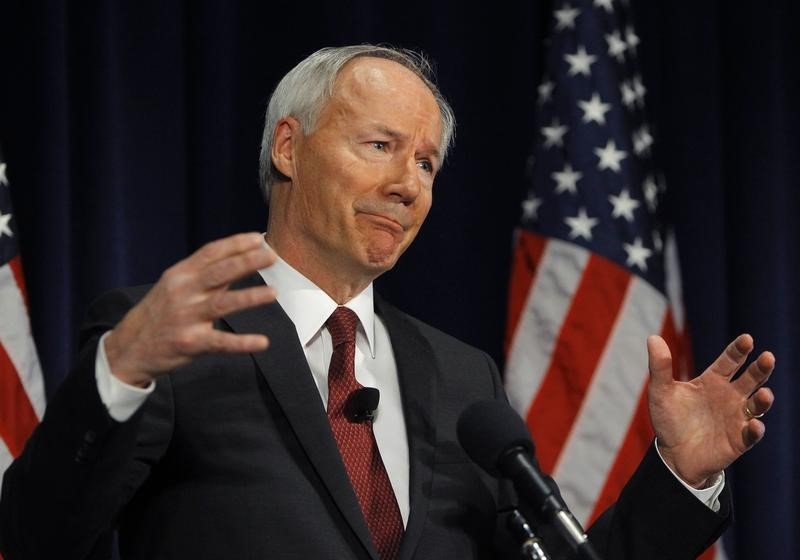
(381, 259)
(379, 265)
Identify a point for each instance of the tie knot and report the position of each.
(342, 325)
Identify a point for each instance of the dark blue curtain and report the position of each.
(132, 131)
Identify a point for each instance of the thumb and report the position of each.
(659, 361)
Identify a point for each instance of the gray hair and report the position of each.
(303, 92)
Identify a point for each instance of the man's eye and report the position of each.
(426, 165)
(378, 145)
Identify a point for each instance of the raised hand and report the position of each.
(173, 323)
(705, 424)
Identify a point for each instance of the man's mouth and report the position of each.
(389, 223)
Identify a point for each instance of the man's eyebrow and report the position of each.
(382, 129)
(433, 151)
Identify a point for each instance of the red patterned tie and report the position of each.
(357, 443)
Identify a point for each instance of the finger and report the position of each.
(222, 248)
(225, 302)
(733, 356)
(756, 374)
(752, 432)
(659, 361)
(760, 402)
(230, 343)
(181, 279)
(226, 270)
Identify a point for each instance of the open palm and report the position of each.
(705, 424)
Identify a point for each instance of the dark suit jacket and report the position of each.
(234, 458)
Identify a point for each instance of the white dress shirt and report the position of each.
(309, 307)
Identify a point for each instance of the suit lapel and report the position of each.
(285, 369)
(417, 372)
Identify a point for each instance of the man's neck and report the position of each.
(339, 284)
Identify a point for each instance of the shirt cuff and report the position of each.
(121, 399)
(709, 496)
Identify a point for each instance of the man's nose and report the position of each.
(404, 184)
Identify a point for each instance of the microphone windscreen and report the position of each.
(368, 398)
(361, 404)
(487, 429)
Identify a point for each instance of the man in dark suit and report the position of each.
(181, 429)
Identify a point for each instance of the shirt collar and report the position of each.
(308, 306)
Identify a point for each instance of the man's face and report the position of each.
(362, 180)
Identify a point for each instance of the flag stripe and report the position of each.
(611, 399)
(717, 552)
(528, 251)
(5, 460)
(672, 283)
(579, 347)
(16, 338)
(558, 276)
(681, 346)
(19, 278)
(638, 438)
(21, 383)
(17, 417)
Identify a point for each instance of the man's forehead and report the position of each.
(368, 74)
(386, 94)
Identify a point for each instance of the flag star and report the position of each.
(580, 62)
(545, 90)
(567, 180)
(581, 225)
(638, 89)
(565, 17)
(616, 46)
(658, 243)
(628, 94)
(5, 229)
(530, 208)
(623, 205)
(642, 140)
(554, 134)
(594, 109)
(632, 39)
(605, 4)
(3, 178)
(637, 254)
(650, 193)
(610, 157)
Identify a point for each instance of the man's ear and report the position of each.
(287, 132)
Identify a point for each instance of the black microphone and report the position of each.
(495, 437)
(361, 405)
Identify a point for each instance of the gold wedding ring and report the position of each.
(748, 414)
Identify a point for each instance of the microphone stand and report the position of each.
(531, 546)
(532, 487)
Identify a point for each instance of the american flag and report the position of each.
(595, 267)
(22, 398)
